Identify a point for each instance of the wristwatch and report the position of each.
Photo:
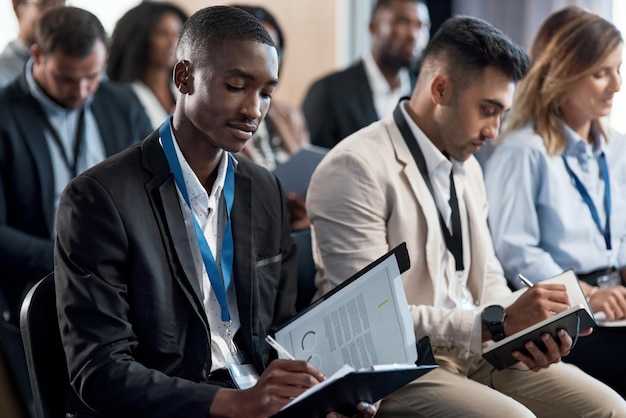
(493, 317)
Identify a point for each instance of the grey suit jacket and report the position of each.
(135, 332)
(27, 180)
(366, 197)
(340, 104)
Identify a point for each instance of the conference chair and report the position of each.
(44, 351)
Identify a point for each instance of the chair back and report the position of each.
(306, 268)
(44, 351)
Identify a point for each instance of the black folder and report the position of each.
(344, 394)
(368, 385)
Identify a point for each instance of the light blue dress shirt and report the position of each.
(65, 122)
(539, 222)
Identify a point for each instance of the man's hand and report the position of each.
(298, 218)
(282, 381)
(543, 359)
(536, 304)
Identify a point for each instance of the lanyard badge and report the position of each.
(243, 375)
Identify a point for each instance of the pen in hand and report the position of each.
(279, 348)
(524, 280)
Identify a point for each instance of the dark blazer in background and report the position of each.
(138, 316)
(27, 179)
(340, 104)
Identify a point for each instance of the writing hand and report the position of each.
(282, 381)
(536, 304)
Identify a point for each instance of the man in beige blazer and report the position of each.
(412, 178)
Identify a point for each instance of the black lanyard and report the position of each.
(71, 165)
(454, 241)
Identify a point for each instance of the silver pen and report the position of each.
(524, 280)
(279, 348)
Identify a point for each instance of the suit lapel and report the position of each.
(243, 261)
(162, 189)
(31, 125)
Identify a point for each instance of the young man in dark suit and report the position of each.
(153, 324)
(58, 119)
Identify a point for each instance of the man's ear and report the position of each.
(373, 26)
(440, 89)
(182, 76)
(36, 53)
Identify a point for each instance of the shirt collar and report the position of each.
(49, 106)
(378, 82)
(579, 148)
(195, 190)
(434, 158)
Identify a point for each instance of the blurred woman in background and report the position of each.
(143, 54)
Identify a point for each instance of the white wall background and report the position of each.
(107, 11)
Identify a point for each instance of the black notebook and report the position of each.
(579, 317)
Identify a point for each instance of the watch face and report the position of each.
(494, 314)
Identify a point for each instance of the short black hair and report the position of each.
(470, 45)
(212, 26)
(130, 41)
(265, 15)
(71, 30)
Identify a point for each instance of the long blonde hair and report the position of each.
(567, 48)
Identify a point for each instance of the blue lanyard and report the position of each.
(606, 231)
(219, 282)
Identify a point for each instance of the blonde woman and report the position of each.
(556, 181)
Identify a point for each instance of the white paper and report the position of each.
(364, 324)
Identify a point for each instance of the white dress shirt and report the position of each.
(451, 291)
(385, 99)
(210, 211)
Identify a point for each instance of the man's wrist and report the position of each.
(493, 318)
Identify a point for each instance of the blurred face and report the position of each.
(226, 96)
(466, 118)
(69, 81)
(592, 97)
(163, 41)
(399, 32)
(28, 13)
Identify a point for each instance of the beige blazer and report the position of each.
(366, 197)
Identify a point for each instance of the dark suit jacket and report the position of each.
(340, 104)
(135, 332)
(27, 180)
